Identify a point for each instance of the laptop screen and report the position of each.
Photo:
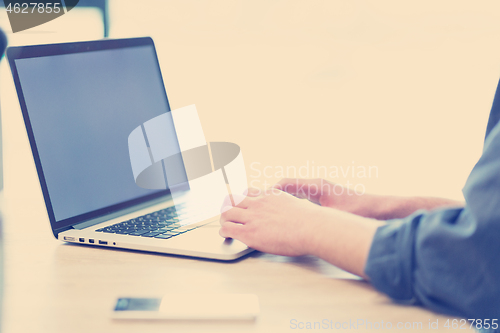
(82, 107)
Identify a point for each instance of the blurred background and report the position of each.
(402, 87)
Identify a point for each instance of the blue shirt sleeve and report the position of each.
(448, 259)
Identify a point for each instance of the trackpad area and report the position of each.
(207, 239)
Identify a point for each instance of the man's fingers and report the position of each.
(231, 230)
(227, 204)
(303, 188)
(292, 185)
(253, 192)
(235, 214)
(240, 201)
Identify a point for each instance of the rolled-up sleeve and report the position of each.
(447, 259)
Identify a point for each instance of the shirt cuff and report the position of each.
(391, 259)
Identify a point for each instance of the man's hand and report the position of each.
(279, 223)
(272, 221)
(328, 194)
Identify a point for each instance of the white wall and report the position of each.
(403, 86)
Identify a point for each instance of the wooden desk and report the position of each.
(56, 287)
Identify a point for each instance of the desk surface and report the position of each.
(55, 287)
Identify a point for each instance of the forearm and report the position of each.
(343, 239)
(392, 207)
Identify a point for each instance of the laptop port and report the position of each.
(91, 241)
(69, 238)
(82, 240)
(103, 242)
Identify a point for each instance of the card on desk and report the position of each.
(189, 307)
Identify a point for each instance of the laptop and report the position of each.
(80, 101)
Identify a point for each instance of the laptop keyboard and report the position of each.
(162, 224)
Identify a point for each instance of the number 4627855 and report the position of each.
(34, 7)
(474, 323)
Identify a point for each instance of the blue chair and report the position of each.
(3, 45)
(102, 5)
